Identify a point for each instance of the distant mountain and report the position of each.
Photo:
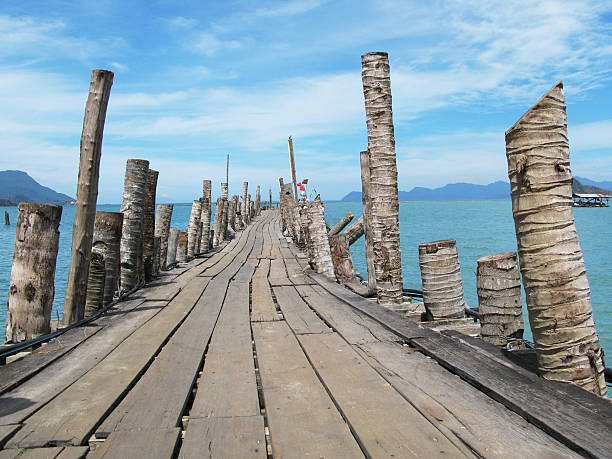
(590, 186)
(18, 186)
(450, 192)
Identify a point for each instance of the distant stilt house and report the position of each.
(591, 200)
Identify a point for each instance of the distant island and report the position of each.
(469, 191)
(18, 186)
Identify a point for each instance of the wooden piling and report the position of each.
(551, 262)
(181, 247)
(341, 257)
(156, 255)
(87, 194)
(148, 224)
(441, 278)
(322, 258)
(383, 177)
(205, 216)
(341, 224)
(217, 222)
(7, 220)
(163, 217)
(31, 291)
(289, 211)
(132, 208)
(366, 202)
(355, 231)
(250, 212)
(244, 209)
(258, 200)
(107, 241)
(498, 284)
(173, 238)
(192, 228)
(95, 284)
(224, 221)
(231, 218)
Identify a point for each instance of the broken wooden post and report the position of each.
(31, 291)
(148, 224)
(551, 262)
(341, 257)
(95, 284)
(87, 194)
(192, 228)
(257, 200)
(181, 247)
(244, 208)
(7, 220)
(341, 224)
(317, 231)
(107, 241)
(383, 177)
(173, 238)
(498, 284)
(441, 278)
(355, 231)
(292, 162)
(132, 208)
(205, 216)
(163, 217)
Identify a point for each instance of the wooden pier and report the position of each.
(247, 353)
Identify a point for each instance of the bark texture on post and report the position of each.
(355, 231)
(250, 209)
(383, 177)
(181, 247)
(317, 230)
(156, 255)
(192, 229)
(32, 288)
(224, 220)
(163, 217)
(258, 200)
(87, 194)
(341, 224)
(441, 278)
(205, 216)
(107, 241)
(231, 217)
(148, 229)
(552, 266)
(217, 222)
(132, 208)
(224, 191)
(173, 238)
(303, 222)
(341, 256)
(95, 284)
(199, 236)
(289, 214)
(367, 218)
(498, 284)
(244, 209)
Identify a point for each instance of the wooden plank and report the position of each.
(159, 443)
(303, 420)
(240, 437)
(71, 417)
(36, 453)
(246, 272)
(278, 275)
(262, 305)
(385, 423)
(6, 431)
(298, 315)
(296, 273)
(73, 452)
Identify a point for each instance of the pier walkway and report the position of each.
(246, 353)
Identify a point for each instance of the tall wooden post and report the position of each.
(148, 224)
(173, 238)
(552, 266)
(31, 292)
(205, 216)
(107, 241)
(364, 158)
(87, 194)
(292, 161)
(132, 208)
(383, 177)
(163, 217)
(192, 228)
(317, 230)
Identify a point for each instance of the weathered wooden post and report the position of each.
(156, 255)
(270, 207)
(341, 257)
(250, 203)
(224, 221)
(383, 177)
(199, 236)
(107, 241)
(148, 228)
(95, 284)
(441, 278)
(173, 238)
(551, 262)
(231, 218)
(317, 230)
(87, 194)
(205, 216)
(355, 231)
(341, 224)
(258, 200)
(244, 209)
(31, 291)
(132, 208)
(498, 284)
(163, 217)
(7, 220)
(304, 222)
(217, 222)
(224, 191)
(192, 228)
(366, 202)
(292, 162)
(181, 247)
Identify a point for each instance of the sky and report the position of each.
(196, 80)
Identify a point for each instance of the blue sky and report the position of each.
(197, 80)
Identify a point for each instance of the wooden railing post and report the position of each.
(163, 218)
(87, 194)
(107, 240)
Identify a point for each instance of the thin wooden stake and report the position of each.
(292, 160)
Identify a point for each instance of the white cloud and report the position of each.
(591, 136)
(289, 8)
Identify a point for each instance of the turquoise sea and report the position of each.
(480, 227)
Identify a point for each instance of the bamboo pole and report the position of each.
(148, 222)
(173, 238)
(355, 231)
(341, 224)
(552, 267)
(107, 240)
(95, 284)
(205, 216)
(383, 177)
(31, 292)
(132, 208)
(163, 218)
(292, 161)
(192, 228)
(87, 194)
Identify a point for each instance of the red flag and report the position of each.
(305, 181)
(302, 187)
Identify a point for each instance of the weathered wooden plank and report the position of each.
(35, 453)
(73, 452)
(246, 272)
(296, 272)
(383, 421)
(71, 417)
(278, 275)
(238, 437)
(298, 315)
(262, 305)
(159, 443)
(303, 420)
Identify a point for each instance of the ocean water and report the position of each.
(480, 227)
